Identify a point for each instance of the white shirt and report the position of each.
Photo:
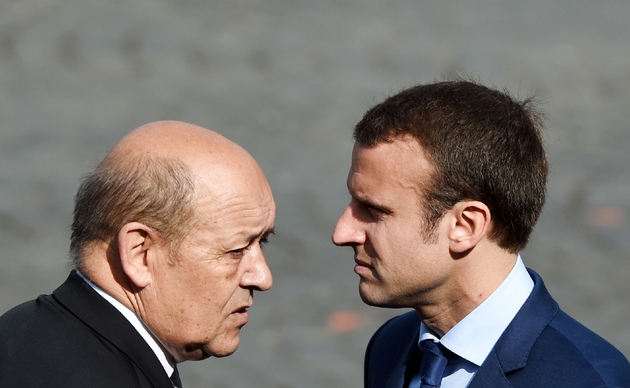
(167, 361)
(473, 337)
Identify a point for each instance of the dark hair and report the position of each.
(157, 192)
(483, 144)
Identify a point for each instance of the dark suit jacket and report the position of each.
(74, 338)
(542, 347)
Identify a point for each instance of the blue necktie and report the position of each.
(433, 364)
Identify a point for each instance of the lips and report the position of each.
(362, 269)
(362, 263)
(241, 315)
(242, 309)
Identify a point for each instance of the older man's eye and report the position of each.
(263, 241)
(237, 252)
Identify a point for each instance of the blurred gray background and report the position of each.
(288, 79)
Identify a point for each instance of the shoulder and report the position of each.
(44, 344)
(25, 318)
(567, 339)
(544, 347)
(566, 352)
(389, 347)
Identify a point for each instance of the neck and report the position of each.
(475, 277)
(103, 268)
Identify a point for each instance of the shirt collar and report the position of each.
(167, 361)
(473, 337)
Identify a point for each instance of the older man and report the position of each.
(447, 182)
(167, 244)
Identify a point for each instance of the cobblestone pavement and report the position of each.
(288, 79)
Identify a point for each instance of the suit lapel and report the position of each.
(490, 374)
(78, 297)
(513, 347)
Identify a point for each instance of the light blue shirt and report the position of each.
(473, 337)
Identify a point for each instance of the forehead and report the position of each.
(235, 205)
(392, 167)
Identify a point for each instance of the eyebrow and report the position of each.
(253, 237)
(368, 202)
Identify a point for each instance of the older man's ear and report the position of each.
(135, 240)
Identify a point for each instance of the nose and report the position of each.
(258, 275)
(347, 231)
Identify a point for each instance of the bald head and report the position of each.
(176, 215)
(152, 175)
(177, 140)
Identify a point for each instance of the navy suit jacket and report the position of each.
(542, 347)
(75, 338)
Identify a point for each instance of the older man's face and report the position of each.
(199, 298)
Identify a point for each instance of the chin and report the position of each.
(200, 352)
(223, 353)
(375, 299)
(224, 349)
(368, 298)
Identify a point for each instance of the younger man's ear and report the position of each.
(134, 241)
(469, 223)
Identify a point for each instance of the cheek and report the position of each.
(208, 296)
(213, 302)
(385, 240)
(200, 320)
(399, 252)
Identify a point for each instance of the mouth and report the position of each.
(242, 309)
(361, 267)
(241, 315)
